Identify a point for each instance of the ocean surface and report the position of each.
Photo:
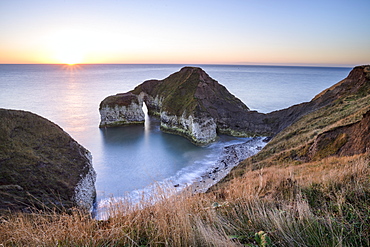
(131, 159)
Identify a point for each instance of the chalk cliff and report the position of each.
(121, 109)
(189, 103)
(42, 166)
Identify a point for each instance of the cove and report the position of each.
(142, 155)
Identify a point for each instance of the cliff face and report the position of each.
(121, 109)
(189, 103)
(345, 140)
(42, 166)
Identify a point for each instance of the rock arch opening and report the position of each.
(146, 117)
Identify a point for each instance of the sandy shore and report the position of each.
(230, 157)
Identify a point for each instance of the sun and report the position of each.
(69, 55)
(68, 47)
(71, 60)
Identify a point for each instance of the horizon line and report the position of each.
(221, 64)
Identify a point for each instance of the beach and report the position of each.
(230, 157)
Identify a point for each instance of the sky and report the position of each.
(275, 32)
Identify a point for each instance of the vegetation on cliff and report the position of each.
(40, 164)
(347, 102)
(309, 186)
(186, 90)
(192, 104)
(117, 100)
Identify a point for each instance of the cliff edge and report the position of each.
(42, 166)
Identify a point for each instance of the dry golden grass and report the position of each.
(324, 203)
(179, 220)
(267, 180)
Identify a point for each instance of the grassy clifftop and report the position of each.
(346, 103)
(40, 164)
(186, 90)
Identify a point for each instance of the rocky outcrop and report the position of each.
(42, 166)
(85, 192)
(121, 109)
(189, 103)
(343, 141)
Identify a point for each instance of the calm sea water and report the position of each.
(128, 159)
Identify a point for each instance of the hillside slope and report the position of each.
(314, 174)
(41, 166)
(342, 105)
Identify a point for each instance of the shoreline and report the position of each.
(230, 157)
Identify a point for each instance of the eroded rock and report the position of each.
(121, 109)
(189, 103)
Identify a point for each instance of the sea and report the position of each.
(129, 160)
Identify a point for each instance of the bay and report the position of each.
(131, 158)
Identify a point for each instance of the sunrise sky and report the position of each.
(294, 32)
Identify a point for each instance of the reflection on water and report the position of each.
(147, 121)
(73, 103)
